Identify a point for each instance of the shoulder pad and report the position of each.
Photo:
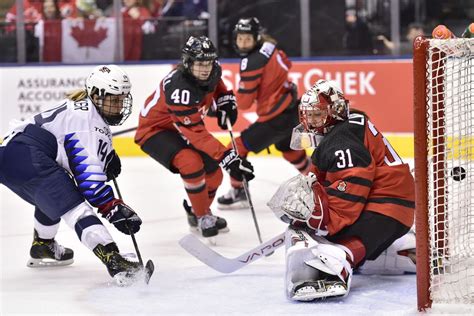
(258, 58)
(174, 90)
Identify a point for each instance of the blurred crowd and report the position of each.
(159, 27)
(36, 10)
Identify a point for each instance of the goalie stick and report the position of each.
(206, 255)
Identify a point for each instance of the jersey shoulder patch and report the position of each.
(179, 90)
(258, 58)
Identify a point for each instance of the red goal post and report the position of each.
(444, 169)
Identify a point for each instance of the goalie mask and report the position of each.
(323, 106)
(249, 26)
(199, 59)
(109, 89)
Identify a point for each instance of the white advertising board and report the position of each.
(29, 90)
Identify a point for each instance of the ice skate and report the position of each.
(320, 289)
(123, 271)
(221, 223)
(209, 226)
(48, 253)
(235, 199)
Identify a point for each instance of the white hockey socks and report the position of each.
(94, 232)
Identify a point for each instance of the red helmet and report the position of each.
(323, 106)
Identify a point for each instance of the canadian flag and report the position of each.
(88, 41)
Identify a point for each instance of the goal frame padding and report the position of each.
(420, 46)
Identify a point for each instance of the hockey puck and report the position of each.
(458, 173)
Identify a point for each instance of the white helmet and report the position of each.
(323, 106)
(103, 83)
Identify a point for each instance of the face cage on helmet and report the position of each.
(188, 63)
(337, 111)
(114, 119)
(303, 114)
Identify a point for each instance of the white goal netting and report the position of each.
(450, 128)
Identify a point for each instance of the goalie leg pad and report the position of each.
(332, 260)
(308, 276)
(298, 250)
(399, 258)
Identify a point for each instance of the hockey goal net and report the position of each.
(444, 169)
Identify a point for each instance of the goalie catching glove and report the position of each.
(302, 200)
(226, 109)
(121, 216)
(238, 167)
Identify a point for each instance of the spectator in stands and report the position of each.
(135, 17)
(195, 9)
(87, 9)
(67, 8)
(191, 10)
(406, 45)
(106, 6)
(357, 39)
(154, 7)
(31, 11)
(51, 10)
(135, 10)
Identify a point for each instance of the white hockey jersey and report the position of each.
(84, 144)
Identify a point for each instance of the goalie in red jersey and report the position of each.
(171, 130)
(358, 202)
(264, 81)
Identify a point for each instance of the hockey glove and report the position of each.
(302, 201)
(319, 218)
(121, 216)
(113, 166)
(226, 109)
(238, 167)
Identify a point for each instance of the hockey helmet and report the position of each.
(323, 106)
(108, 86)
(247, 26)
(199, 49)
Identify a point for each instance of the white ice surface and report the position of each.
(181, 284)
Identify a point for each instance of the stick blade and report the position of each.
(209, 257)
(149, 269)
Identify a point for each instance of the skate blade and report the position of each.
(235, 206)
(310, 293)
(194, 230)
(45, 263)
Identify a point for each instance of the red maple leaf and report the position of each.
(88, 36)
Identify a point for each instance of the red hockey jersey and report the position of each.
(180, 105)
(361, 172)
(264, 79)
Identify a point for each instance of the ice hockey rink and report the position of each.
(181, 284)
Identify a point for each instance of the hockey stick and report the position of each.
(124, 131)
(206, 255)
(150, 267)
(245, 183)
